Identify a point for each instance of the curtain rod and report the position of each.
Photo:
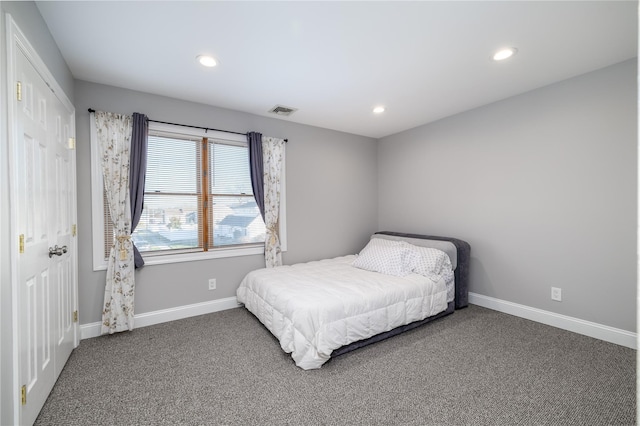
(193, 127)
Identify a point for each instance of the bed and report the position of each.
(322, 309)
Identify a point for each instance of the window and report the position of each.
(198, 199)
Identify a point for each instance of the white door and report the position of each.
(43, 205)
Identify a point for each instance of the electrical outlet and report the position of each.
(556, 294)
(212, 283)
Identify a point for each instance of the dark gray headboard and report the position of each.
(462, 269)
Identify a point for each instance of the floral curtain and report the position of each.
(113, 132)
(272, 153)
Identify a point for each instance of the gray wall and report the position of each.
(542, 185)
(27, 17)
(331, 199)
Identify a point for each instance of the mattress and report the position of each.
(316, 307)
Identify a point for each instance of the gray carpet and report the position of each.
(475, 367)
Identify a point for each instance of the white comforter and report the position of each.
(316, 307)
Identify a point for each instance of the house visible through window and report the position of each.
(198, 197)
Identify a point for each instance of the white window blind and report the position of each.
(236, 217)
(173, 195)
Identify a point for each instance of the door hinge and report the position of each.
(19, 91)
(75, 316)
(21, 247)
(71, 144)
(23, 395)
(74, 230)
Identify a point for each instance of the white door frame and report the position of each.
(17, 40)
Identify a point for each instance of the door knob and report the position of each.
(58, 251)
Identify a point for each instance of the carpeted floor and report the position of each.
(475, 367)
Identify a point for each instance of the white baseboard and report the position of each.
(166, 315)
(587, 328)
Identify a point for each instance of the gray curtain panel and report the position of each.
(137, 173)
(257, 168)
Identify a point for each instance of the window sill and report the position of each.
(193, 257)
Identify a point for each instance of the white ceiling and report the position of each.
(335, 61)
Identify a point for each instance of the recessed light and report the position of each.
(378, 109)
(503, 54)
(207, 61)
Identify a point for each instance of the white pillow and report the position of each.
(432, 262)
(387, 257)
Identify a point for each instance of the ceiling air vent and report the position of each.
(282, 110)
